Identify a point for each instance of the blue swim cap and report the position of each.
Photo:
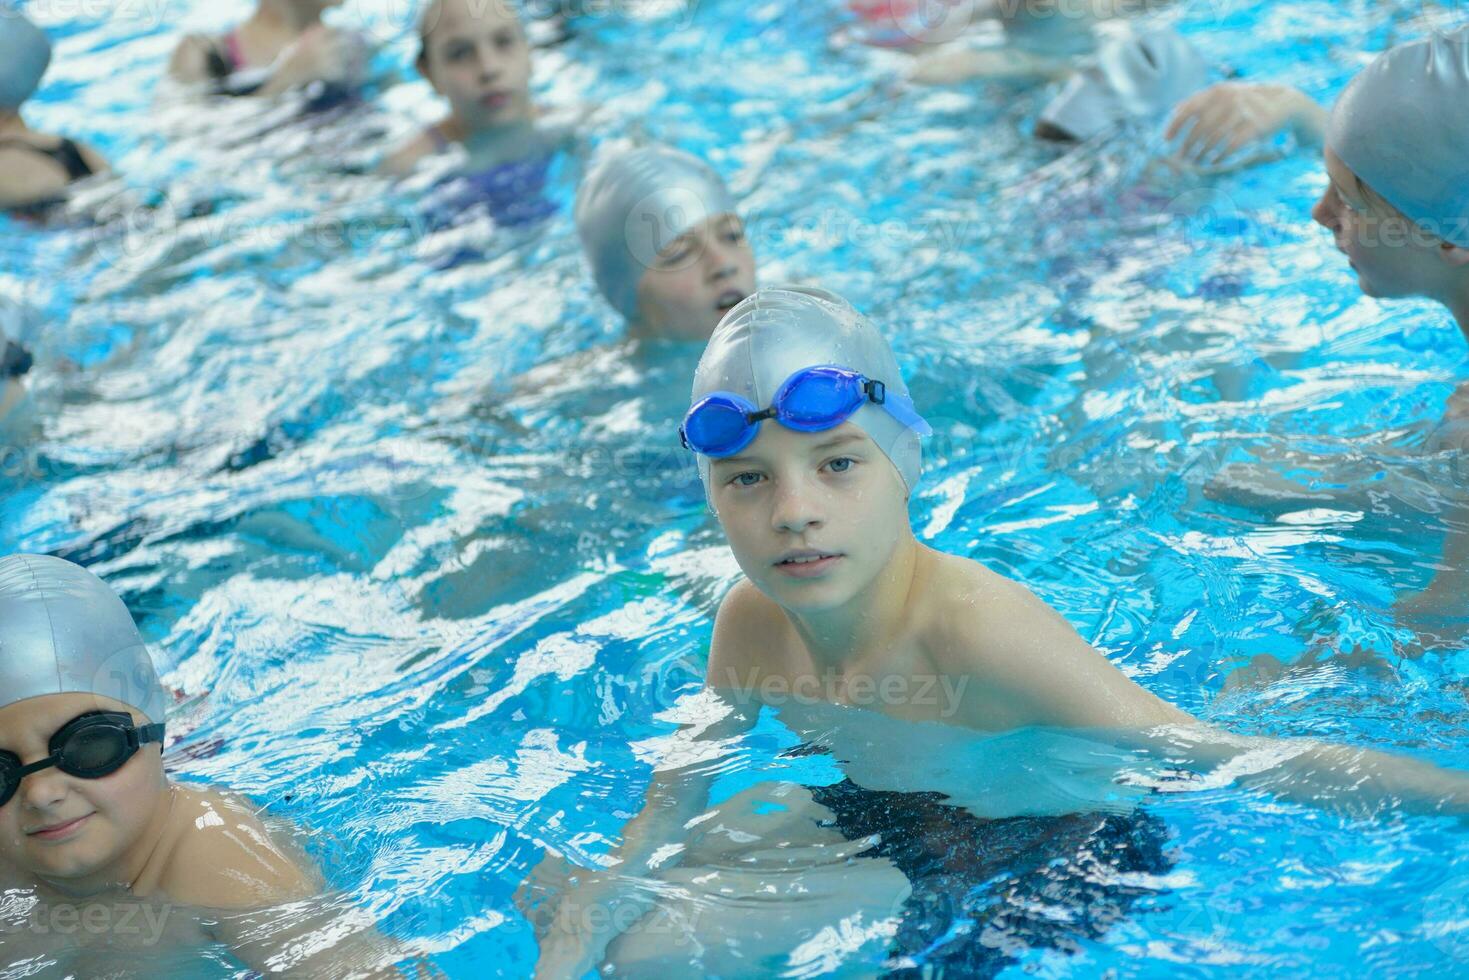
(1402, 126)
(25, 54)
(63, 631)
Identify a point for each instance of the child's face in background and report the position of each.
(829, 495)
(1391, 257)
(697, 279)
(477, 58)
(62, 827)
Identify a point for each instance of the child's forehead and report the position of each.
(460, 16)
(39, 718)
(775, 440)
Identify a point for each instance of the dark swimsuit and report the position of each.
(65, 154)
(225, 62)
(987, 891)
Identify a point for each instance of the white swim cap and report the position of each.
(781, 330)
(1139, 76)
(25, 54)
(62, 630)
(1402, 126)
(632, 205)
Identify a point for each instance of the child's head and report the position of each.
(666, 246)
(1398, 198)
(475, 54)
(829, 473)
(25, 53)
(1138, 76)
(77, 689)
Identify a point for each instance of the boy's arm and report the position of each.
(1030, 657)
(575, 934)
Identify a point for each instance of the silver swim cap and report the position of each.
(1402, 126)
(1139, 76)
(25, 54)
(62, 630)
(632, 205)
(782, 329)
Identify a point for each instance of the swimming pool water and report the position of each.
(418, 535)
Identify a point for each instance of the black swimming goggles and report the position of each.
(15, 361)
(90, 746)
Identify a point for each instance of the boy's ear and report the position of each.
(1454, 255)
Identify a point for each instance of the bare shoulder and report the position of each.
(227, 858)
(190, 59)
(747, 628)
(972, 610)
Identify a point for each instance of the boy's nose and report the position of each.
(1324, 211)
(44, 789)
(797, 509)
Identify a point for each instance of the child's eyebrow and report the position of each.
(836, 441)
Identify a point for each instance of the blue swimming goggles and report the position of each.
(813, 399)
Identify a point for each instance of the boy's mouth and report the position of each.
(728, 300)
(807, 564)
(60, 831)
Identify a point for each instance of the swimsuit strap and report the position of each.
(70, 157)
(225, 57)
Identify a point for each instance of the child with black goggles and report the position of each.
(89, 818)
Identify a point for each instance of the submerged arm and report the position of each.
(1035, 662)
(577, 913)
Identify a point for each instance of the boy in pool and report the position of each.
(35, 169)
(809, 448)
(665, 242)
(1397, 205)
(477, 57)
(282, 46)
(88, 817)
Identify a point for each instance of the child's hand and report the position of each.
(1226, 117)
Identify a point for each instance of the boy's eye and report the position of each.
(842, 464)
(748, 479)
(504, 40)
(458, 52)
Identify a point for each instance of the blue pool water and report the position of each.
(389, 501)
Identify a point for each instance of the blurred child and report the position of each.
(35, 168)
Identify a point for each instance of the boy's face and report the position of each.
(478, 59)
(812, 518)
(698, 278)
(1389, 255)
(64, 827)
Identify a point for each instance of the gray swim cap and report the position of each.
(25, 54)
(1138, 76)
(780, 330)
(62, 630)
(1402, 126)
(632, 205)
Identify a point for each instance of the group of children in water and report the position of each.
(808, 442)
